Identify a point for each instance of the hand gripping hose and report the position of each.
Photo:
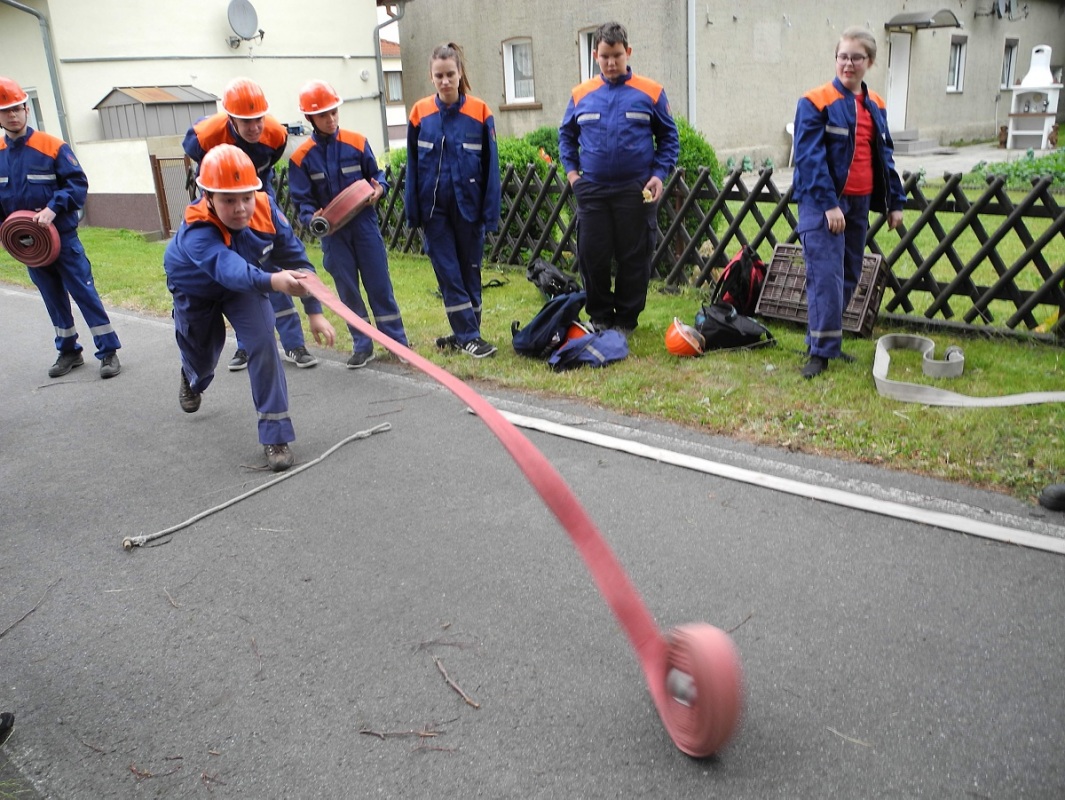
(693, 672)
(344, 207)
(28, 242)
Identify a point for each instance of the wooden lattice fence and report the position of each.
(992, 261)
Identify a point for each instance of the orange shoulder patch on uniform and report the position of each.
(355, 139)
(477, 108)
(877, 99)
(212, 131)
(301, 152)
(274, 133)
(651, 88)
(262, 219)
(823, 96)
(582, 90)
(45, 143)
(200, 212)
(423, 108)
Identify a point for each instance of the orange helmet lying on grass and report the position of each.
(227, 168)
(683, 340)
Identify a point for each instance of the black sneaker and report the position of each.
(449, 342)
(359, 360)
(239, 361)
(300, 357)
(7, 723)
(846, 358)
(278, 456)
(188, 399)
(110, 366)
(68, 359)
(814, 367)
(479, 348)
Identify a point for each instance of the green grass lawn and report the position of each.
(756, 396)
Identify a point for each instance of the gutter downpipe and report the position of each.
(379, 58)
(46, 36)
(692, 65)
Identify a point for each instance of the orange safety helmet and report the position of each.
(317, 97)
(11, 94)
(683, 340)
(227, 168)
(243, 98)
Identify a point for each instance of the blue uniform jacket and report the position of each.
(205, 257)
(825, 128)
(616, 133)
(218, 129)
(38, 170)
(451, 154)
(323, 166)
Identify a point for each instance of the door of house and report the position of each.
(898, 80)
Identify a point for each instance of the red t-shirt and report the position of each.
(860, 177)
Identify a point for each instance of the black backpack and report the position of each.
(741, 281)
(546, 332)
(724, 328)
(550, 280)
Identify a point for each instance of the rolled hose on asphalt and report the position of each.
(693, 672)
(343, 208)
(28, 242)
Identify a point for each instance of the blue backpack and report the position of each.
(596, 350)
(546, 332)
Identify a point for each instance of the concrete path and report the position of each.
(255, 653)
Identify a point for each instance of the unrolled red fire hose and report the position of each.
(344, 207)
(693, 672)
(28, 242)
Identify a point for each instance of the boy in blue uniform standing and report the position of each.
(452, 193)
(233, 247)
(321, 168)
(244, 122)
(618, 143)
(39, 173)
(844, 167)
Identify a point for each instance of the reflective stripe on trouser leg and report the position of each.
(287, 321)
(75, 273)
(57, 302)
(443, 245)
(823, 254)
(253, 318)
(371, 259)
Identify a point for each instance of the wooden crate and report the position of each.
(784, 291)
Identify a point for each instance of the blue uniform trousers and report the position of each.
(287, 322)
(69, 276)
(833, 269)
(201, 335)
(357, 253)
(614, 224)
(455, 248)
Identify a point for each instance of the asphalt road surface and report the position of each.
(284, 647)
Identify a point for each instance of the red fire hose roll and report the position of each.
(28, 242)
(694, 675)
(344, 207)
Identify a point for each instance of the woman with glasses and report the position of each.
(844, 168)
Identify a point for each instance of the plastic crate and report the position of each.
(784, 291)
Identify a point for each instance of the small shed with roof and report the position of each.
(136, 112)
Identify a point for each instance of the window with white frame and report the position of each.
(393, 87)
(589, 64)
(956, 68)
(1009, 63)
(518, 71)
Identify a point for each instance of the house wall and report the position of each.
(108, 43)
(754, 60)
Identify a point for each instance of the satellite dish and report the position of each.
(243, 19)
